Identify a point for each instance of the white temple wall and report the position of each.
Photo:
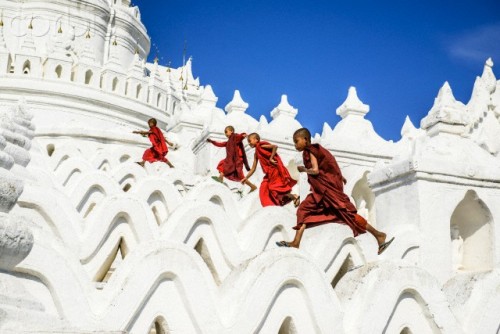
(48, 18)
(429, 206)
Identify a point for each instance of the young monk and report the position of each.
(327, 203)
(277, 184)
(159, 149)
(232, 166)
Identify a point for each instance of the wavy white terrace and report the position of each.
(91, 242)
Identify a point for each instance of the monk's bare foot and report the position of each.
(216, 178)
(252, 189)
(286, 244)
(381, 238)
(140, 163)
(384, 246)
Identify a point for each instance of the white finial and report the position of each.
(489, 62)
(488, 76)
(327, 130)
(408, 127)
(445, 95)
(209, 95)
(284, 108)
(263, 123)
(237, 104)
(446, 111)
(353, 105)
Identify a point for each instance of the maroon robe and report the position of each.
(277, 183)
(327, 203)
(159, 149)
(232, 165)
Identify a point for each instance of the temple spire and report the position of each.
(447, 115)
(352, 105)
(284, 108)
(237, 104)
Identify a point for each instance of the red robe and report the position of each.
(277, 182)
(159, 149)
(232, 165)
(327, 203)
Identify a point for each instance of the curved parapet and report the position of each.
(195, 303)
(387, 297)
(218, 194)
(475, 301)
(269, 284)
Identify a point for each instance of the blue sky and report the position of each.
(396, 53)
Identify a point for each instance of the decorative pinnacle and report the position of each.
(156, 60)
(489, 62)
(30, 26)
(87, 35)
(168, 67)
(115, 43)
(352, 105)
(1, 20)
(59, 31)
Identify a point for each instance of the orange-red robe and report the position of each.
(232, 165)
(159, 149)
(277, 182)
(327, 203)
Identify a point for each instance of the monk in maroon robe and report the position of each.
(159, 150)
(277, 183)
(327, 202)
(231, 167)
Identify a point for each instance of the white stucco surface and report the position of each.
(91, 242)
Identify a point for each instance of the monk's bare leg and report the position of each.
(298, 236)
(169, 163)
(294, 198)
(380, 236)
(141, 163)
(252, 186)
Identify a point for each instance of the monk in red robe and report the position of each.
(327, 202)
(232, 166)
(159, 150)
(277, 184)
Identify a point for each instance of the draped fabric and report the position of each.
(277, 183)
(159, 149)
(236, 158)
(327, 202)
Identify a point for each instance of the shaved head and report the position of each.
(304, 133)
(254, 134)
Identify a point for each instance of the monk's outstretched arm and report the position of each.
(314, 170)
(143, 133)
(168, 142)
(217, 143)
(252, 170)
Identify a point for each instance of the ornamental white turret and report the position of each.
(284, 108)
(208, 97)
(237, 104)
(488, 76)
(352, 105)
(284, 123)
(447, 115)
(354, 132)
